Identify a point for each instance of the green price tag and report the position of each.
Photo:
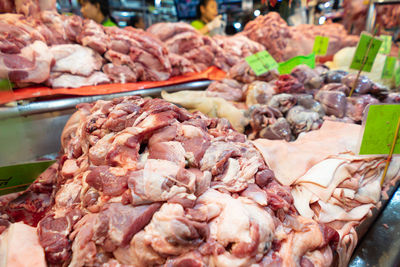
(388, 68)
(287, 66)
(361, 52)
(256, 65)
(379, 130)
(268, 61)
(18, 177)
(261, 62)
(386, 45)
(320, 45)
(397, 77)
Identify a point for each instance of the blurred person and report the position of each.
(208, 18)
(97, 10)
(137, 22)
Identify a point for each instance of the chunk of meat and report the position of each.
(93, 36)
(75, 59)
(165, 30)
(32, 65)
(170, 232)
(242, 72)
(282, 102)
(53, 236)
(171, 151)
(19, 247)
(159, 181)
(303, 120)
(228, 89)
(119, 73)
(110, 181)
(259, 92)
(289, 84)
(357, 104)
(307, 76)
(66, 80)
(364, 85)
(333, 102)
(253, 227)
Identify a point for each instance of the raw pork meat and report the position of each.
(67, 80)
(259, 92)
(165, 31)
(333, 102)
(119, 73)
(75, 59)
(242, 72)
(19, 247)
(303, 120)
(357, 104)
(142, 52)
(284, 42)
(181, 65)
(228, 89)
(93, 36)
(16, 32)
(33, 7)
(143, 182)
(31, 65)
(238, 46)
(184, 40)
(268, 122)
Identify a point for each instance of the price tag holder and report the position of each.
(320, 45)
(379, 128)
(361, 52)
(389, 67)
(287, 66)
(261, 62)
(18, 177)
(386, 45)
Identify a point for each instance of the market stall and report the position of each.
(173, 146)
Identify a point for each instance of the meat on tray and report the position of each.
(143, 183)
(284, 42)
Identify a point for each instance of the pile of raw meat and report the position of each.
(284, 42)
(197, 52)
(42, 46)
(145, 183)
(66, 51)
(277, 106)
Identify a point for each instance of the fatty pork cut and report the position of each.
(141, 182)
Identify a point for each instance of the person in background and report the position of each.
(97, 10)
(208, 19)
(137, 22)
